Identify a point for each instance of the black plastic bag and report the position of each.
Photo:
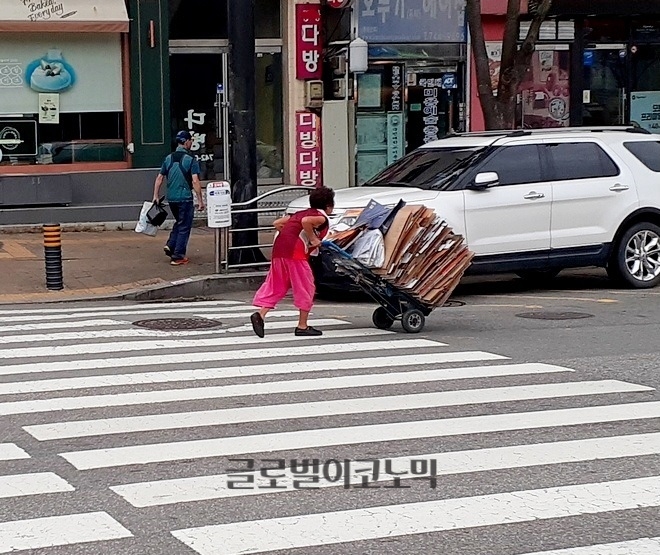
(157, 214)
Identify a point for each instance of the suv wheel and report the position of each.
(636, 259)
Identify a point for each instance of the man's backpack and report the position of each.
(177, 158)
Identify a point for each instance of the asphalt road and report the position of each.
(531, 414)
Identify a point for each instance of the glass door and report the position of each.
(198, 103)
(645, 95)
(605, 89)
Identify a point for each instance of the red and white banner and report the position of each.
(309, 169)
(309, 42)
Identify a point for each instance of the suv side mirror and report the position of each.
(484, 180)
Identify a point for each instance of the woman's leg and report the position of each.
(274, 289)
(302, 283)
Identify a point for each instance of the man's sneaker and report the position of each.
(257, 324)
(309, 331)
(180, 262)
(168, 251)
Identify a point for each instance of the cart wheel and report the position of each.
(381, 319)
(413, 320)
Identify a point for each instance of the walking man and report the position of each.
(182, 173)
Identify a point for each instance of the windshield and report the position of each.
(427, 168)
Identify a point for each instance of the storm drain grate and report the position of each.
(179, 324)
(550, 315)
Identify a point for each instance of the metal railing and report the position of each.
(267, 212)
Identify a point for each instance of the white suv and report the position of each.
(536, 202)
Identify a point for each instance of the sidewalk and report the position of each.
(98, 264)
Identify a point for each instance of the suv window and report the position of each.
(426, 168)
(580, 161)
(647, 152)
(515, 164)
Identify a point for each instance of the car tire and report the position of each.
(539, 276)
(635, 261)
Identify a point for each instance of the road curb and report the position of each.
(196, 287)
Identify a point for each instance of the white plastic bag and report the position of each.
(143, 225)
(370, 249)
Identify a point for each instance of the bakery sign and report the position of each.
(309, 42)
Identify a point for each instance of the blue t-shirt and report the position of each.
(178, 188)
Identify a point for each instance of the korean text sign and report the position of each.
(308, 150)
(309, 42)
(412, 20)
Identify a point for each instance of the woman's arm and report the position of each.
(280, 222)
(308, 224)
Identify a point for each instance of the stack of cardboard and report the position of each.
(422, 254)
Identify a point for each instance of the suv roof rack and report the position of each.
(524, 132)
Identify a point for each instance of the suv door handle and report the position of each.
(533, 195)
(618, 188)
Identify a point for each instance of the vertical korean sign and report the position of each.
(308, 150)
(309, 44)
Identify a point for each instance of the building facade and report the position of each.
(597, 63)
(92, 93)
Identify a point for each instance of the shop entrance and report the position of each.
(401, 107)
(605, 85)
(199, 80)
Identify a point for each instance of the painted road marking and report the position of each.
(168, 344)
(644, 546)
(39, 533)
(389, 521)
(19, 485)
(353, 435)
(85, 382)
(12, 452)
(318, 409)
(270, 388)
(205, 488)
(216, 356)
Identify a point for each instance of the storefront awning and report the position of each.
(91, 16)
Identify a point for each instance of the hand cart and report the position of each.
(395, 304)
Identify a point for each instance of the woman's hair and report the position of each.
(321, 198)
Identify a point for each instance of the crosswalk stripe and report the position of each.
(644, 546)
(39, 483)
(269, 388)
(64, 384)
(152, 334)
(205, 488)
(316, 409)
(53, 531)
(149, 308)
(389, 521)
(12, 452)
(216, 356)
(209, 312)
(163, 343)
(61, 325)
(352, 435)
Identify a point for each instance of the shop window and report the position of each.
(207, 19)
(546, 90)
(606, 30)
(68, 86)
(269, 116)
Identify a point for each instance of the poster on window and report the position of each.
(49, 108)
(645, 110)
(426, 108)
(309, 171)
(545, 90)
(83, 69)
(309, 44)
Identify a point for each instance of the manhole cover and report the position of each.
(179, 324)
(453, 304)
(549, 315)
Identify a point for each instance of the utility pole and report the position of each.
(243, 134)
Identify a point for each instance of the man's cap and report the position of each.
(183, 136)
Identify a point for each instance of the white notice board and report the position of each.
(218, 204)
